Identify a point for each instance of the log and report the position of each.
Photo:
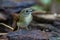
(43, 18)
(45, 26)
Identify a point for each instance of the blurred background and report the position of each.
(45, 23)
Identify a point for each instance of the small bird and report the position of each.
(25, 17)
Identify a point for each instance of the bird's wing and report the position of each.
(21, 20)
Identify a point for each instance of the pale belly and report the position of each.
(28, 19)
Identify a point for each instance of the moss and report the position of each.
(36, 7)
(58, 1)
(45, 2)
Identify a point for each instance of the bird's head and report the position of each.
(27, 11)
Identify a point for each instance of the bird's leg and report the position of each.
(27, 28)
(18, 28)
(23, 27)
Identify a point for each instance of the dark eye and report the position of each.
(27, 11)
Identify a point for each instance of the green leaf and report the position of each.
(36, 7)
(45, 2)
(58, 1)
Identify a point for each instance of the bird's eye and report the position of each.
(27, 11)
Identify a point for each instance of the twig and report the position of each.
(3, 33)
(7, 26)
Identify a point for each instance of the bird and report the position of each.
(25, 17)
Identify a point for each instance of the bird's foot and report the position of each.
(23, 27)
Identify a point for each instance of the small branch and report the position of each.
(7, 26)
